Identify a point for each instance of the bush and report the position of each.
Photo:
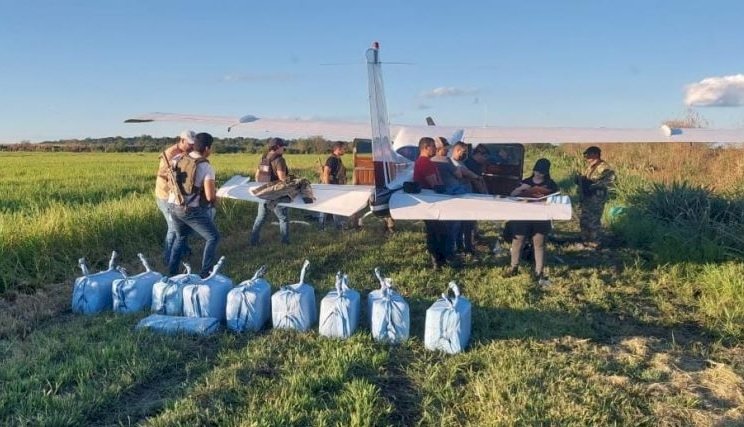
(683, 222)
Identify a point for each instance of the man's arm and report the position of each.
(325, 177)
(210, 191)
(433, 180)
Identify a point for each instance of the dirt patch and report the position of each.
(692, 390)
(21, 313)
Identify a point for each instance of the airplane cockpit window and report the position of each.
(498, 154)
(409, 152)
(502, 169)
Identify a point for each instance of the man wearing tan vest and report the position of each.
(162, 188)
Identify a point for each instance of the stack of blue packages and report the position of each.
(339, 310)
(172, 325)
(134, 293)
(448, 323)
(389, 315)
(91, 293)
(167, 294)
(293, 306)
(209, 297)
(249, 304)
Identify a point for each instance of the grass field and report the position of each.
(645, 332)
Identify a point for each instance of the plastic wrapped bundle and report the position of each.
(448, 323)
(293, 306)
(339, 310)
(91, 293)
(172, 325)
(208, 298)
(389, 315)
(167, 294)
(134, 293)
(249, 304)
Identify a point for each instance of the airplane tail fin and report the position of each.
(390, 167)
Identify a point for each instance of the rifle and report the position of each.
(173, 181)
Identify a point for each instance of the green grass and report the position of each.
(618, 339)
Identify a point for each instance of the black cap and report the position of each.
(542, 166)
(276, 142)
(593, 150)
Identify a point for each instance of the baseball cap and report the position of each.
(593, 150)
(188, 135)
(276, 142)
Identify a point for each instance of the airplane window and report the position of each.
(410, 153)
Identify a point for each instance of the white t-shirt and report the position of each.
(204, 172)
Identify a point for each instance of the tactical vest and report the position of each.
(265, 171)
(185, 170)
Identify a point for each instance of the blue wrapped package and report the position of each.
(167, 294)
(209, 297)
(389, 315)
(448, 323)
(339, 310)
(91, 293)
(249, 304)
(173, 325)
(134, 293)
(293, 306)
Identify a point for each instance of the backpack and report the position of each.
(185, 170)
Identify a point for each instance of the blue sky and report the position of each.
(76, 69)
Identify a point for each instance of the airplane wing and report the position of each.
(409, 135)
(559, 135)
(429, 205)
(404, 135)
(344, 200)
(265, 127)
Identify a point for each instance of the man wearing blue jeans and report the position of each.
(197, 212)
(273, 167)
(162, 188)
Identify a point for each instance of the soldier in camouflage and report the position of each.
(594, 186)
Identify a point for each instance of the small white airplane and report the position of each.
(391, 169)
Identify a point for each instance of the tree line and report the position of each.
(147, 143)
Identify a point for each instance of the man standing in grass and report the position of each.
(162, 188)
(594, 187)
(426, 174)
(197, 187)
(272, 168)
(334, 172)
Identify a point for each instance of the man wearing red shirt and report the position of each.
(425, 173)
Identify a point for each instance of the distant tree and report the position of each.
(691, 120)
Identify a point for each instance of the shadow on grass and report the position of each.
(593, 323)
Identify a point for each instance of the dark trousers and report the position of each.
(465, 239)
(438, 240)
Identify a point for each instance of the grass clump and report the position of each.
(683, 222)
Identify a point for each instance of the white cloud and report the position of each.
(725, 91)
(423, 107)
(442, 92)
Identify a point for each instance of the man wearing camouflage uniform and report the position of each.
(594, 187)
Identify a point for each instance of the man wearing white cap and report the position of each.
(184, 145)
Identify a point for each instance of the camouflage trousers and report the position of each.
(590, 219)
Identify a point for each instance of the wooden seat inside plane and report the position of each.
(364, 172)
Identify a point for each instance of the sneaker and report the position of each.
(543, 280)
(511, 271)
